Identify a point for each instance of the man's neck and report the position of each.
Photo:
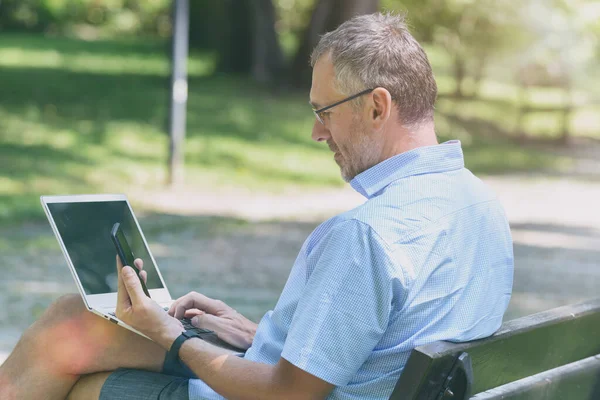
(404, 139)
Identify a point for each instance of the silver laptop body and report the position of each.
(82, 224)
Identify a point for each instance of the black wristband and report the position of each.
(172, 361)
(174, 350)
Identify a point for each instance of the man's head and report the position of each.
(370, 52)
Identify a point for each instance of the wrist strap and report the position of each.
(173, 352)
(173, 364)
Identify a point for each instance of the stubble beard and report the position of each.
(363, 154)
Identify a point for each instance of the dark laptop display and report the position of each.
(85, 230)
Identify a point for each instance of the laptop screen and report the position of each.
(85, 231)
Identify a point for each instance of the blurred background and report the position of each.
(85, 88)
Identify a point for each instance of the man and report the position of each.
(427, 257)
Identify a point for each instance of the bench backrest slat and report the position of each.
(520, 348)
(578, 380)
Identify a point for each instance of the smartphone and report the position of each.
(124, 252)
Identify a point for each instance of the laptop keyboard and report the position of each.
(204, 334)
(187, 324)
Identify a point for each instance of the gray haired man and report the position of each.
(427, 257)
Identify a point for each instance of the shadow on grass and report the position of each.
(25, 162)
(57, 125)
(490, 148)
(71, 46)
(60, 99)
(218, 106)
(29, 165)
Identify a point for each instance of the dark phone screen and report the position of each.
(85, 229)
(128, 253)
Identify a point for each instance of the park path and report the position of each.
(239, 246)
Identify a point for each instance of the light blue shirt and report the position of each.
(427, 257)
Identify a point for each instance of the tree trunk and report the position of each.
(327, 15)
(343, 10)
(301, 71)
(235, 52)
(478, 73)
(267, 57)
(225, 28)
(459, 75)
(522, 106)
(566, 114)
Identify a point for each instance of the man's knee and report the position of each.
(68, 336)
(66, 307)
(76, 341)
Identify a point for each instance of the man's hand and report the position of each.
(207, 313)
(141, 312)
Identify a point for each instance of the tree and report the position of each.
(267, 57)
(244, 36)
(471, 31)
(242, 33)
(327, 15)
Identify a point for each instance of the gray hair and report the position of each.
(377, 50)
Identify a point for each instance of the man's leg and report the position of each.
(130, 384)
(66, 342)
(88, 386)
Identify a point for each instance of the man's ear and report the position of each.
(381, 107)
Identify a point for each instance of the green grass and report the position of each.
(82, 117)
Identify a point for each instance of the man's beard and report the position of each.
(362, 152)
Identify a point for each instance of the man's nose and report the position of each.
(320, 132)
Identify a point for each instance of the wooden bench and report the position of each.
(554, 354)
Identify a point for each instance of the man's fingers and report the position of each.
(132, 284)
(144, 276)
(207, 304)
(192, 313)
(139, 264)
(122, 298)
(208, 321)
(199, 301)
(225, 328)
(181, 308)
(181, 305)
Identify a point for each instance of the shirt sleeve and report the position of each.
(199, 390)
(345, 305)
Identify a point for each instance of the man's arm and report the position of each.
(236, 378)
(230, 376)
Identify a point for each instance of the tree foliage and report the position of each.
(265, 38)
(108, 17)
(476, 34)
(470, 31)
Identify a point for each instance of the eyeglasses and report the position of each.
(319, 113)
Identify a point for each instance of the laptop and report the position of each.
(82, 225)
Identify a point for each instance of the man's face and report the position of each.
(345, 129)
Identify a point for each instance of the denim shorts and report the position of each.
(133, 384)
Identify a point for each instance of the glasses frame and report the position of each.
(320, 110)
